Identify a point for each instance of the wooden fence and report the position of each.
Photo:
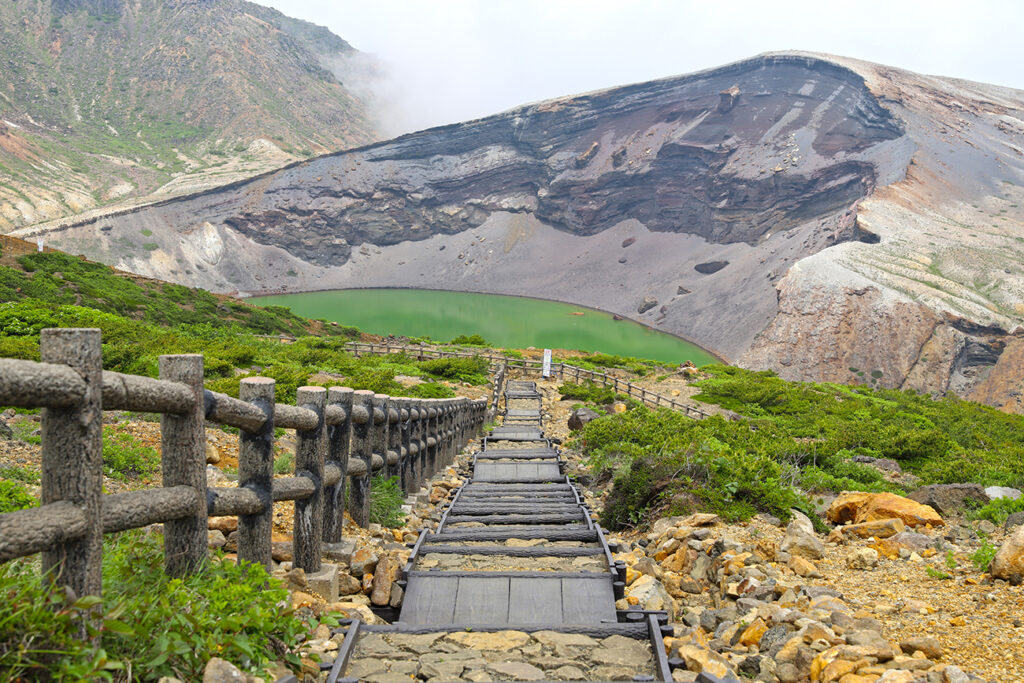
(561, 370)
(341, 435)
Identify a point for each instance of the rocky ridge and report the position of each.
(778, 211)
(111, 103)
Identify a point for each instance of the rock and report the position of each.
(212, 454)
(862, 558)
(568, 673)
(647, 304)
(702, 660)
(930, 646)
(580, 417)
(499, 640)
(801, 540)
(628, 241)
(947, 499)
(1009, 560)
(223, 524)
(803, 567)
(383, 577)
(437, 494)
(954, 674)
(348, 584)
(618, 407)
(650, 594)
(710, 267)
(222, 671)
(5, 431)
(700, 519)
(215, 539)
(214, 477)
(994, 492)
(517, 671)
(860, 507)
(986, 527)
(364, 561)
(897, 676)
(1016, 519)
(879, 528)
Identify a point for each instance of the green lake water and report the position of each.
(504, 321)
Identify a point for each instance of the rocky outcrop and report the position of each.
(830, 219)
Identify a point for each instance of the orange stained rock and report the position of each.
(861, 507)
(752, 634)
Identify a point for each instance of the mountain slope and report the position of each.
(103, 100)
(831, 219)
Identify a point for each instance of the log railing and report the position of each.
(562, 370)
(342, 436)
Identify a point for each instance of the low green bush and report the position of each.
(386, 500)
(589, 392)
(125, 459)
(998, 510)
(149, 625)
(14, 496)
(471, 370)
(469, 340)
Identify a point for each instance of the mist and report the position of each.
(424, 64)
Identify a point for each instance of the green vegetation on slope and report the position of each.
(797, 438)
(142, 319)
(150, 626)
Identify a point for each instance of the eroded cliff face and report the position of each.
(826, 218)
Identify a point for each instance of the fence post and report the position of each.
(183, 462)
(308, 529)
(433, 434)
(394, 439)
(416, 443)
(338, 437)
(72, 458)
(381, 430)
(256, 472)
(404, 457)
(359, 487)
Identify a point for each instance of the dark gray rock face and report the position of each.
(950, 498)
(580, 417)
(664, 153)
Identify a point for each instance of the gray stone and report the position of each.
(949, 498)
(420, 644)
(340, 552)
(221, 671)
(520, 671)
(994, 492)
(776, 635)
(580, 417)
(568, 673)
(954, 674)
(1016, 519)
(620, 651)
(348, 584)
(866, 638)
(325, 582)
(447, 670)
(647, 304)
(801, 540)
(929, 645)
(215, 539)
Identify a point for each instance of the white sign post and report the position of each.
(547, 363)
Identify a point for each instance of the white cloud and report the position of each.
(452, 60)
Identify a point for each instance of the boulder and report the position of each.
(929, 645)
(879, 528)
(1009, 560)
(947, 499)
(650, 594)
(862, 558)
(222, 671)
(212, 454)
(580, 417)
(1014, 520)
(994, 492)
(861, 507)
(364, 561)
(647, 304)
(801, 540)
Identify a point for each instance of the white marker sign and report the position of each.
(547, 363)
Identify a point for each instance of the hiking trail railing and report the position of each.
(341, 435)
(562, 370)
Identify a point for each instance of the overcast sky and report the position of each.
(452, 60)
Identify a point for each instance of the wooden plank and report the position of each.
(482, 601)
(429, 600)
(587, 602)
(535, 601)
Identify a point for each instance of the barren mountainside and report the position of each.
(105, 101)
(823, 217)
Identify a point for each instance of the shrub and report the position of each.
(386, 500)
(14, 496)
(471, 370)
(124, 459)
(589, 392)
(998, 510)
(150, 625)
(469, 340)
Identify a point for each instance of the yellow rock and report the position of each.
(633, 600)
(819, 663)
(700, 660)
(660, 555)
(879, 528)
(858, 507)
(752, 634)
(631, 575)
(618, 407)
(957, 621)
(803, 567)
(836, 670)
(857, 678)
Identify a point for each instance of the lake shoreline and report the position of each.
(710, 352)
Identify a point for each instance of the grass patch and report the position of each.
(124, 459)
(386, 500)
(150, 625)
